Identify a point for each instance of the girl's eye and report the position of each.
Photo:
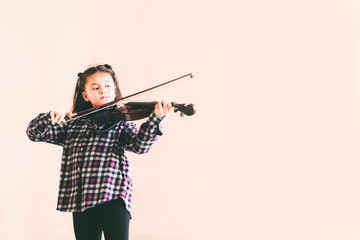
(95, 88)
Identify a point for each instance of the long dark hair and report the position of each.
(79, 103)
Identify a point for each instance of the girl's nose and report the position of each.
(102, 91)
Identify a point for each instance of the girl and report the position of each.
(94, 180)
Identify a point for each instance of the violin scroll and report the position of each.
(187, 110)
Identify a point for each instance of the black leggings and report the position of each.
(110, 217)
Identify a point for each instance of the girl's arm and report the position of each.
(48, 127)
(140, 141)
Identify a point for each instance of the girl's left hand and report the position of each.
(162, 108)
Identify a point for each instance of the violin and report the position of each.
(133, 111)
(118, 110)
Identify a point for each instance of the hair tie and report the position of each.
(79, 74)
(107, 66)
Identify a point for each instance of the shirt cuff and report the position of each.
(155, 124)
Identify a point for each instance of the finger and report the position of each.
(161, 105)
(165, 107)
(56, 118)
(169, 106)
(61, 118)
(52, 117)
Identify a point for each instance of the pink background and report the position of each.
(272, 153)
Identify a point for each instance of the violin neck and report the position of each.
(145, 104)
(141, 104)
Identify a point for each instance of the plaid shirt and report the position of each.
(94, 167)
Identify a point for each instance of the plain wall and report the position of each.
(272, 152)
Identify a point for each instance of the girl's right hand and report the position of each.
(58, 117)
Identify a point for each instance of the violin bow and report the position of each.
(118, 103)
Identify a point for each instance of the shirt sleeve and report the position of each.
(140, 140)
(40, 129)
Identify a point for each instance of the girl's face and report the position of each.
(99, 89)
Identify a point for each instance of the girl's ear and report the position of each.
(85, 96)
